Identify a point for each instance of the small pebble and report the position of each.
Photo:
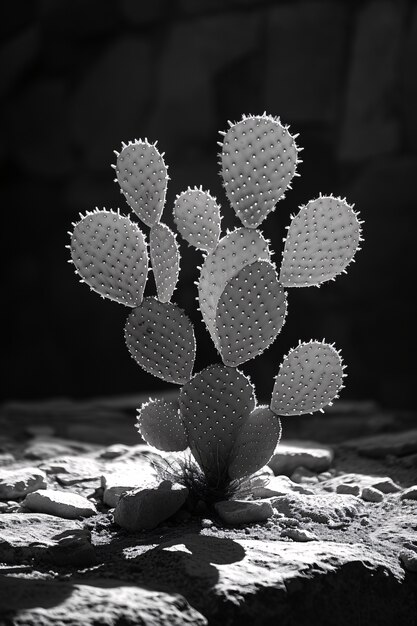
(370, 494)
(298, 534)
(386, 485)
(410, 493)
(289, 521)
(206, 523)
(409, 560)
(353, 490)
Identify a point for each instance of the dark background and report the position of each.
(79, 76)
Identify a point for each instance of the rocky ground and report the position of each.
(329, 535)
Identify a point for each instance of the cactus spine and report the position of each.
(242, 298)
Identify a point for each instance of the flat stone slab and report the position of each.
(44, 537)
(110, 602)
(244, 512)
(291, 454)
(61, 503)
(276, 486)
(125, 477)
(144, 509)
(17, 483)
(229, 580)
(319, 508)
(382, 445)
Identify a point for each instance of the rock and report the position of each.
(304, 475)
(130, 477)
(409, 559)
(71, 469)
(386, 485)
(276, 486)
(243, 511)
(298, 534)
(369, 494)
(382, 445)
(42, 448)
(371, 128)
(44, 538)
(61, 503)
(353, 490)
(305, 583)
(356, 482)
(114, 451)
(319, 508)
(144, 509)
(410, 493)
(292, 454)
(6, 459)
(111, 602)
(17, 483)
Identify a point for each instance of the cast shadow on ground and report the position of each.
(186, 565)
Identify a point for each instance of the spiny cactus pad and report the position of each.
(197, 217)
(165, 260)
(160, 337)
(159, 423)
(109, 253)
(259, 159)
(310, 377)
(321, 241)
(213, 404)
(255, 443)
(250, 313)
(142, 176)
(237, 249)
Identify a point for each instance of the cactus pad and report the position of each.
(310, 377)
(237, 249)
(160, 337)
(159, 423)
(213, 405)
(255, 442)
(142, 176)
(259, 159)
(197, 216)
(322, 240)
(250, 313)
(109, 253)
(165, 259)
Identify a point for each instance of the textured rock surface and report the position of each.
(292, 454)
(44, 538)
(379, 446)
(17, 483)
(142, 509)
(318, 508)
(61, 503)
(243, 512)
(308, 564)
(110, 602)
(117, 483)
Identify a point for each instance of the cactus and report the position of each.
(142, 176)
(250, 313)
(242, 299)
(165, 259)
(197, 216)
(160, 337)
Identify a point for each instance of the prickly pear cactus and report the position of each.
(241, 294)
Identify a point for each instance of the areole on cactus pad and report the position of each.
(241, 296)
